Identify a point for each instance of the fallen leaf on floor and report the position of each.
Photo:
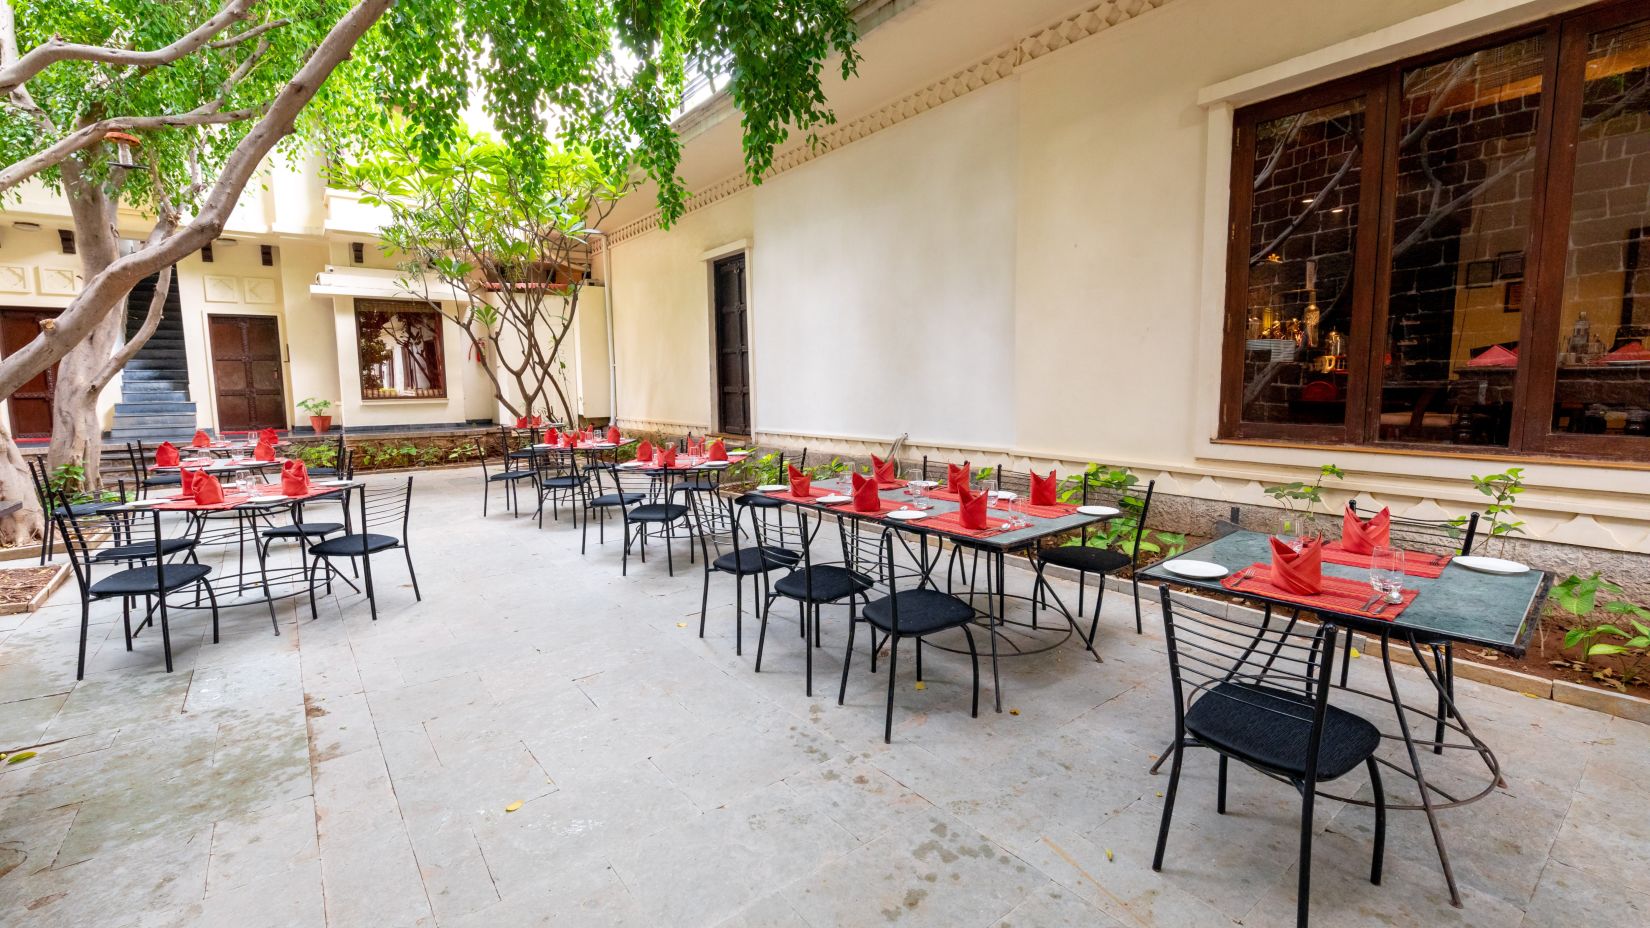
(1108, 853)
(1533, 695)
(1014, 712)
(681, 625)
(921, 685)
(19, 757)
(513, 806)
(1160, 794)
(1356, 654)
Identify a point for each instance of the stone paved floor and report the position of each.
(351, 773)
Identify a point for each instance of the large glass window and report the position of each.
(1399, 239)
(400, 350)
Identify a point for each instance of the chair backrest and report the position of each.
(715, 520)
(1133, 499)
(895, 450)
(1442, 536)
(84, 534)
(386, 506)
(1279, 666)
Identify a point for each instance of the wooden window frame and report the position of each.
(1564, 39)
(400, 306)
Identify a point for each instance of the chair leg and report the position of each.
(812, 617)
(213, 599)
(847, 659)
(1380, 820)
(738, 614)
(1139, 627)
(919, 659)
(888, 718)
(1303, 891)
(762, 637)
(309, 581)
(704, 602)
(166, 632)
(126, 619)
(1445, 663)
(366, 568)
(263, 572)
(1220, 788)
(974, 659)
(1168, 803)
(407, 550)
(85, 628)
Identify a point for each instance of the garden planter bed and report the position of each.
(25, 589)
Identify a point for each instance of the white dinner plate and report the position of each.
(906, 515)
(1004, 494)
(834, 499)
(142, 503)
(772, 487)
(925, 484)
(1099, 510)
(636, 464)
(332, 483)
(716, 464)
(1491, 565)
(1194, 570)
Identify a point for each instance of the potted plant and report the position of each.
(317, 409)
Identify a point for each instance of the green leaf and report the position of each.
(19, 757)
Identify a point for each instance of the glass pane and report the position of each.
(1461, 227)
(1302, 229)
(1603, 383)
(399, 350)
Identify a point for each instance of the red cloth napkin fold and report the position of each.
(264, 452)
(269, 435)
(956, 476)
(1495, 356)
(1045, 491)
(570, 439)
(1299, 572)
(202, 440)
(644, 450)
(801, 484)
(294, 479)
(186, 482)
(536, 422)
(521, 422)
(972, 512)
(613, 435)
(667, 457)
(865, 494)
(1632, 351)
(166, 455)
(208, 492)
(883, 470)
(1360, 537)
(717, 452)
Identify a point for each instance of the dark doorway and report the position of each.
(733, 387)
(246, 367)
(31, 405)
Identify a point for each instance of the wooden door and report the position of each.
(246, 368)
(31, 405)
(732, 349)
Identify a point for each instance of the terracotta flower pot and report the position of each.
(320, 423)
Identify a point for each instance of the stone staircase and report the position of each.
(154, 386)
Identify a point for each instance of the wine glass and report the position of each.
(1386, 572)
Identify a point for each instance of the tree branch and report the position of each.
(41, 57)
(151, 322)
(93, 133)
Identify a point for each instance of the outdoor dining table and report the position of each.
(996, 543)
(248, 509)
(1457, 606)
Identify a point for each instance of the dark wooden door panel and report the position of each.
(732, 350)
(31, 405)
(246, 367)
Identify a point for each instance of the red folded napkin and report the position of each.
(865, 494)
(667, 456)
(264, 452)
(269, 435)
(972, 512)
(1360, 537)
(570, 439)
(1495, 356)
(1632, 351)
(202, 440)
(956, 476)
(294, 479)
(521, 422)
(186, 482)
(166, 455)
(802, 485)
(644, 450)
(883, 470)
(1045, 491)
(1299, 572)
(717, 452)
(536, 422)
(613, 435)
(208, 492)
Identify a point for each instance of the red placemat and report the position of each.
(1416, 563)
(1339, 594)
(1053, 511)
(952, 522)
(813, 494)
(893, 484)
(949, 496)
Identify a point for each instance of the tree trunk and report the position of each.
(23, 527)
(77, 433)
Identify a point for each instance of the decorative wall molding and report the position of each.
(14, 278)
(222, 289)
(983, 73)
(661, 425)
(259, 289)
(58, 281)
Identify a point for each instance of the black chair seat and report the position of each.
(303, 529)
(756, 560)
(692, 486)
(510, 475)
(830, 583)
(90, 508)
(140, 580)
(168, 546)
(164, 480)
(657, 512)
(1269, 728)
(321, 471)
(354, 545)
(1091, 560)
(761, 502)
(616, 499)
(920, 612)
(563, 483)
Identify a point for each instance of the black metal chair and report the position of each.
(49, 499)
(303, 529)
(605, 491)
(1258, 693)
(508, 477)
(811, 586)
(732, 541)
(382, 506)
(94, 540)
(138, 456)
(338, 460)
(656, 513)
(559, 479)
(914, 613)
(517, 450)
(1134, 505)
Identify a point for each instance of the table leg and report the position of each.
(1415, 765)
(995, 617)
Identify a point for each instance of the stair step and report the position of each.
(152, 435)
(147, 420)
(153, 391)
(177, 376)
(159, 361)
(155, 408)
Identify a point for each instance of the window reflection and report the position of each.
(400, 350)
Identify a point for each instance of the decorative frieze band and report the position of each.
(983, 73)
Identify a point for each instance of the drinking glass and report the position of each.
(1386, 572)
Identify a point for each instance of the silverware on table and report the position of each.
(1369, 602)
